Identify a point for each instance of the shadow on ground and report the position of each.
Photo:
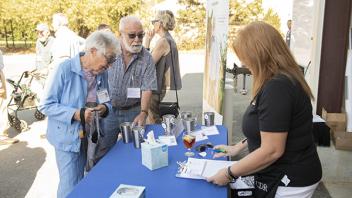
(19, 166)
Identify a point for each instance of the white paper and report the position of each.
(202, 168)
(212, 130)
(200, 136)
(317, 118)
(133, 93)
(168, 140)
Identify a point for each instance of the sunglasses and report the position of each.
(110, 59)
(133, 36)
(203, 147)
(154, 21)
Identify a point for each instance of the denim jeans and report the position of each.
(71, 169)
(111, 128)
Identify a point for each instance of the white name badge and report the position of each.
(133, 92)
(103, 95)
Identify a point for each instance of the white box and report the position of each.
(128, 191)
(154, 156)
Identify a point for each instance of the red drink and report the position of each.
(189, 140)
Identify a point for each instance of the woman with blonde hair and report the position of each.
(165, 57)
(278, 122)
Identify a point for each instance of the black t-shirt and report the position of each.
(280, 106)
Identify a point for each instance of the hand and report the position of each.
(140, 119)
(101, 109)
(88, 115)
(148, 37)
(220, 178)
(230, 151)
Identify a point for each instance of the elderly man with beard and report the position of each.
(132, 78)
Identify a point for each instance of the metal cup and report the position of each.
(168, 123)
(126, 131)
(189, 124)
(186, 114)
(209, 118)
(138, 133)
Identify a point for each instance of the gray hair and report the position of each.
(128, 19)
(102, 41)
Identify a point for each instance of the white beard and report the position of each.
(133, 49)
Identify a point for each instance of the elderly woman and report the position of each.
(278, 122)
(165, 57)
(73, 84)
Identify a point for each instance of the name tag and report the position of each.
(103, 95)
(133, 92)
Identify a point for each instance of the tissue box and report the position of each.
(128, 191)
(154, 156)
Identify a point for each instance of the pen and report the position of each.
(219, 150)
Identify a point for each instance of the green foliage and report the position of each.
(190, 29)
(84, 15)
(241, 13)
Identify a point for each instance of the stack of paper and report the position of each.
(202, 168)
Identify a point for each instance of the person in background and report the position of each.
(4, 136)
(43, 47)
(67, 43)
(131, 82)
(288, 34)
(104, 27)
(165, 57)
(278, 121)
(71, 86)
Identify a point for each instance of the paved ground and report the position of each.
(28, 169)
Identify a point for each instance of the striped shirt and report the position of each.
(140, 73)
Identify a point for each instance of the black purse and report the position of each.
(170, 107)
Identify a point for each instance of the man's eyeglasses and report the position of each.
(110, 60)
(133, 36)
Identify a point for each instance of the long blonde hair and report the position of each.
(262, 49)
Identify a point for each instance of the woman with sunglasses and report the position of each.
(278, 121)
(165, 57)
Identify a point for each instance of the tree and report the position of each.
(84, 15)
(191, 32)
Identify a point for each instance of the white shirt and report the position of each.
(66, 44)
(1, 61)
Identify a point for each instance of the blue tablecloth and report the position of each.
(123, 165)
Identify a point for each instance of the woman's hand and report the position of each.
(148, 37)
(88, 115)
(220, 178)
(229, 151)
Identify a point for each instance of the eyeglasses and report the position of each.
(133, 36)
(154, 21)
(203, 147)
(110, 59)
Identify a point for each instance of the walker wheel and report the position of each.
(21, 125)
(39, 115)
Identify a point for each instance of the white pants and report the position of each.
(296, 192)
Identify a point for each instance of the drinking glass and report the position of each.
(188, 141)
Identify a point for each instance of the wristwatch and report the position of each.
(145, 111)
(230, 173)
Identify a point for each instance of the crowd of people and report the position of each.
(121, 79)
